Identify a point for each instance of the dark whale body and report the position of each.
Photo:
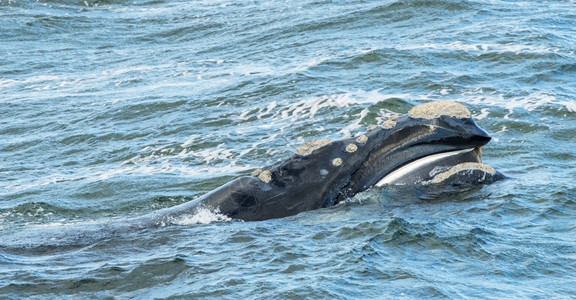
(436, 142)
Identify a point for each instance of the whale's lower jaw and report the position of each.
(424, 169)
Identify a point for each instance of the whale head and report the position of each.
(434, 142)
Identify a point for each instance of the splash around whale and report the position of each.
(435, 143)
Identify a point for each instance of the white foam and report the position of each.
(348, 130)
(529, 102)
(38, 83)
(308, 108)
(484, 48)
(482, 115)
(140, 169)
(201, 216)
(190, 141)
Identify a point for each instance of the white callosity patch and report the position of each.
(256, 172)
(388, 124)
(309, 147)
(362, 139)
(265, 176)
(337, 161)
(469, 166)
(440, 108)
(351, 148)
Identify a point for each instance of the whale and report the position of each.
(434, 143)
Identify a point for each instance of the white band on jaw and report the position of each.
(414, 165)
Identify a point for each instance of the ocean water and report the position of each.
(114, 109)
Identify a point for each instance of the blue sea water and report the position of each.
(114, 109)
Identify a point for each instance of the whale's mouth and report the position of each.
(425, 168)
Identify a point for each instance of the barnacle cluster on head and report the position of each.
(264, 175)
(309, 147)
(337, 161)
(351, 148)
(389, 124)
(362, 139)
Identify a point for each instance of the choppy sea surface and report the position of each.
(114, 109)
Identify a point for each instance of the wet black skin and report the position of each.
(302, 183)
